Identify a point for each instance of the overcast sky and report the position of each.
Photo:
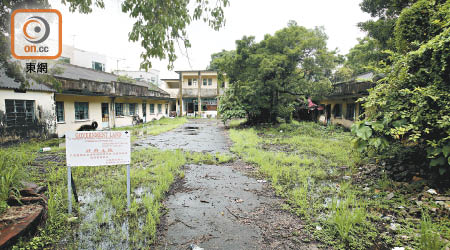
(106, 30)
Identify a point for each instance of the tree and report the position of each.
(160, 24)
(373, 50)
(365, 56)
(269, 78)
(410, 106)
(386, 12)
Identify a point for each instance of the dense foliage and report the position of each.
(159, 26)
(410, 106)
(268, 79)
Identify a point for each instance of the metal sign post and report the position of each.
(69, 188)
(97, 148)
(128, 187)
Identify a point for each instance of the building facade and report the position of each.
(89, 96)
(151, 76)
(196, 91)
(25, 112)
(341, 108)
(82, 58)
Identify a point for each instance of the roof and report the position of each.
(80, 73)
(365, 77)
(170, 80)
(75, 72)
(9, 83)
(182, 71)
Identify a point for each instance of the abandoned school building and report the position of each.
(341, 107)
(196, 92)
(86, 96)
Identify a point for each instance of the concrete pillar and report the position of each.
(181, 93)
(200, 82)
(112, 115)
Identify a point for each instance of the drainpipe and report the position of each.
(218, 94)
(181, 94)
(113, 111)
(199, 97)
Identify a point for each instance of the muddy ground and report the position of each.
(221, 206)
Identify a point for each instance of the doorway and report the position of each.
(144, 112)
(105, 115)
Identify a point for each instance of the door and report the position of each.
(144, 111)
(328, 113)
(190, 107)
(105, 115)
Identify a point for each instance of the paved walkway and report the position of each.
(219, 207)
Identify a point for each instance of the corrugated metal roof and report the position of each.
(73, 72)
(9, 83)
(77, 73)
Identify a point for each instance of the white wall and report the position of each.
(43, 102)
(84, 58)
(146, 76)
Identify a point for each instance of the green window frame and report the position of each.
(132, 108)
(81, 111)
(159, 108)
(60, 111)
(152, 108)
(19, 112)
(119, 109)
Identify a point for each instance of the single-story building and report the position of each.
(89, 96)
(25, 112)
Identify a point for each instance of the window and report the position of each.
(144, 109)
(210, 81)
(81, 110)
(167, 109)
(119, 109)
(132, 108)
(60, 111)
(222, 85)
(152, 108)
(337, 110)
(19, 112)
(350, 115)
(204, 81)
(189, 82)
(194, 81)
(98, 66)
(159, 108)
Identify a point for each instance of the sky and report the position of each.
(105, 31)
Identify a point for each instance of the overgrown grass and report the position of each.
(306, 163)
(14, 161)
(154, 127)
(430, 238)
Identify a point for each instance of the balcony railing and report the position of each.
(351, 88)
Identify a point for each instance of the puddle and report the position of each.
(100, 227)
(190, 128)
(196, 135)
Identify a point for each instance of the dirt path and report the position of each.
(221, 207)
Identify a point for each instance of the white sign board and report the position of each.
(97, 148)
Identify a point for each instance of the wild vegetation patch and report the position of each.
(155, 127)
(345, 201)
